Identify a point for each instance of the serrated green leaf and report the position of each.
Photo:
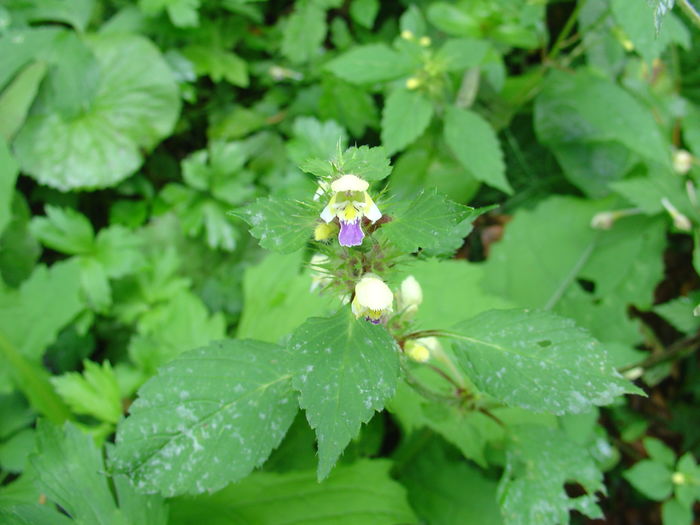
(475, 144)
(370, 164)
(537, 361)
(315, 139)
(95, 392)
(280, 225)
(651, 479)
(208, 418)
(458, 54)
(370, 63)
(347, 103)
(136, 105)
(137, 507)
(539, 462)
(218, 64)
(405, 117)
(8, 176)
(182, 13)
(304, 31)
(65, 230)
(364, 12)
(431, 223)
(297, 497)
(69, 468)
(345, 370)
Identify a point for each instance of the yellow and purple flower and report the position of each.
(350, 202)
(373, 299)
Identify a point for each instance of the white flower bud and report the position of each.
(603, 220)
(411, 292)
(680, 221)
(373, 298)
(682, 161)
(416, 351)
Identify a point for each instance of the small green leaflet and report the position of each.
(430, 222)
(539, 462)
(208, 418)
(371, 164)
(297, 497)
(538, 361)
(281, 225)
(458, 54)
(475, 144)
(345, 370)
(370, 63)
(405, 117)
(304, 31)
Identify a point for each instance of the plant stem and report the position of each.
(690, 11)
(678, 349)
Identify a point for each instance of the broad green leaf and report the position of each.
(168, 330)
(297, 497)
(659, 451)
(304, 31)
(674, 513)
(371, 164)
(76, 13)
(314, 139)
(679, 312)
(446, 491)
(95, 392)
(405, 117)
(136, 105)
(345, 370)
(568, 114)
(16, 100)
(651, 478)
(453, 20)
(475, 144)
(370, 63)
(65, 230)
(430, 223)
(462, 53)
(280, 225)
(15, 450)
(182, 13)
(537, 361)
(451, 292)
(688, 492)
(8, 176)
(20, 47)
(364, 12)
(70, 472)
(139, 508)
(274, 307)
(348, 104)
(539, 462)
(32, 514)
(208, 418)
(218, 64)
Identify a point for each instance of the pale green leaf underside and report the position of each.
(208, 418)
(344, 370)
(537, 361)
(298, 498)
(280, 225)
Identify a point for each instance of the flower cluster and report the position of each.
(350, 202)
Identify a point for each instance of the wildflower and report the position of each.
(373, 299)
(350, 203)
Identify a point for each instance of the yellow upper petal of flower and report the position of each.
(349, 183)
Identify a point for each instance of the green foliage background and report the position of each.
(147, 146)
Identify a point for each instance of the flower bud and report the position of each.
(682, 161)
(324, 231)
(416, 351)
(680, 221)
(373, 299)
(678, 478)
(634, 373)
(425, 41)
(412, 83)
(411, 292)
(603, 220)
(407, 34)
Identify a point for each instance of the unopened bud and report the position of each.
(603, 220)
(417, 351)
(425, 41)
(634, 373)
(324, 231)
(411, 292)
(412, 83)
(678, 478)
(696, 311)
(682, 161)
(680, 221)
(407, 34)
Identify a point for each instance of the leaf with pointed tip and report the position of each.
(281, 225)
(371, 164)
(344, 369)
(370, 63)
(538, 361)
(405, 117)
(208, 418)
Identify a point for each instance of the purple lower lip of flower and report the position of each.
(373, 321)
(351, 233)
